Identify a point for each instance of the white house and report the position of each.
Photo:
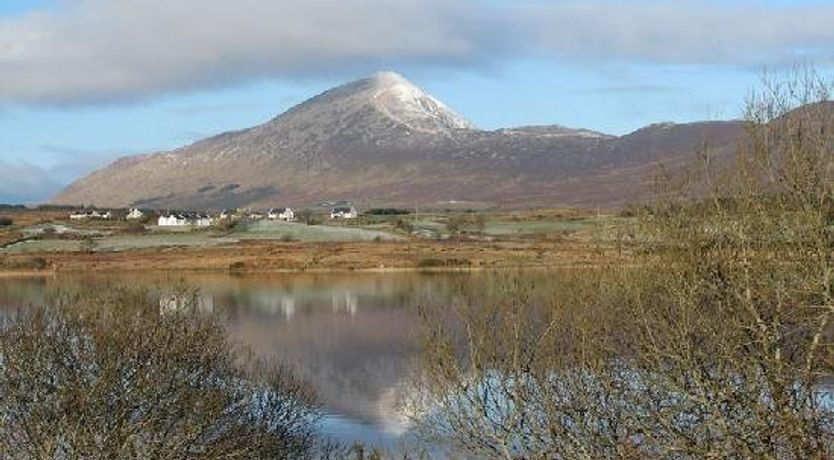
(183, 220)
(344, 213)
(285, 214)
(83, 215)
(172, 220)
(202, 220)
(135, 214)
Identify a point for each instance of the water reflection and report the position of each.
(171, 302)
(351, 336)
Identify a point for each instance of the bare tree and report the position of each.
(716, 343)
(110, 375)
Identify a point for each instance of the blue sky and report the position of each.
(85, 81)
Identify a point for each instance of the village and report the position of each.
(203, 219)
(329, 236)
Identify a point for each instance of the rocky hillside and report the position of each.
(383, 141)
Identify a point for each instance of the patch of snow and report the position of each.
(411, 106)
(555, 131)
(663, 125)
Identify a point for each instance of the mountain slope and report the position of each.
(381, 140)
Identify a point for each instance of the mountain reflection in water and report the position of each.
(352, 336)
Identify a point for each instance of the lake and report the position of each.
(351, 336)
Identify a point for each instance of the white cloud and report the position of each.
(103, 50)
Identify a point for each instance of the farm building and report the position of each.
(183, 220)
(202, 220)
(344, 213)
(172, 220)
(135, 214)
(83, 215)
(285, 214)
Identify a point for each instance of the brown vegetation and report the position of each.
(718, 344)
(109, 375)
(277, 256)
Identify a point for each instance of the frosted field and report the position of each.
(36, 246)
(268, 230)
(265, 230)
(129, 242)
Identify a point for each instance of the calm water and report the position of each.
(353, 337)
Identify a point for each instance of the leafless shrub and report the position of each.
(717, 344)
(108, 375)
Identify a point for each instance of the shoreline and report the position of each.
(293, 258)
(27, 273)
(210, 271)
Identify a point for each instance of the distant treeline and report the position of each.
(388, 212)
(70, 208)
(40, 207)
(58, 207)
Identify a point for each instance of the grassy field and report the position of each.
(161, 240)
(483, 240)
(51, 236)
(291, 231)
(275, 256)
(58, 229)
(42, 246)
(542, 227)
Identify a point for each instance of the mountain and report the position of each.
(383, 141)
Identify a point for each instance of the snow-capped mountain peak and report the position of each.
(406, 103)
(381, 98)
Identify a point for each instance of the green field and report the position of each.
(63, 237)
(263, 230)
(158, 240)
(38, 246)
(269, 230)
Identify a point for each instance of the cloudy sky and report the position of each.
(85, 81)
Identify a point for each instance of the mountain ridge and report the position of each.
(383, 140)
